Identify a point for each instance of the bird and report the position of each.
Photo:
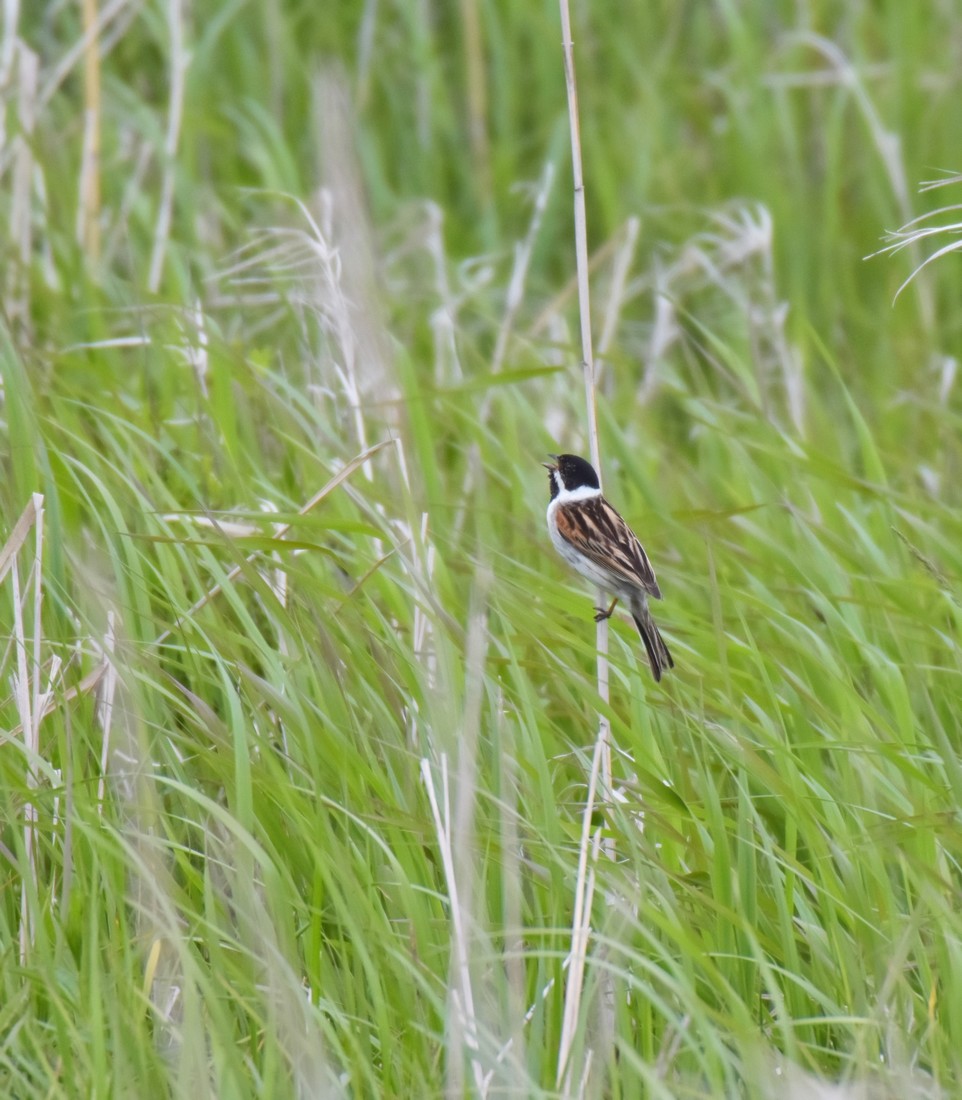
(593, 538)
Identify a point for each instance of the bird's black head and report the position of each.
(573, 473)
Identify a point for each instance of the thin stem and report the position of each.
(178, 72)
(600, 781)
(587, 356)
(88, 208)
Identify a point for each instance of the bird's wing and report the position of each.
(596, 530)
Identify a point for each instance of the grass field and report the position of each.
(298, 742)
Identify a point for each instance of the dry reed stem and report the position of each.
(580, 926)
(17, 305)
(88, 207)
(587, 355)
(477, 96)
(464, 995)
(601, 763)
(178, 69)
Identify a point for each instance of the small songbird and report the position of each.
(590, 535)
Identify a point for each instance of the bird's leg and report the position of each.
(601, 614)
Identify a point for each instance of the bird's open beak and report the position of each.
(552, 466)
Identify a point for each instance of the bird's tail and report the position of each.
(658, 656)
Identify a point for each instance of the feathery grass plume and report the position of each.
(917, 231)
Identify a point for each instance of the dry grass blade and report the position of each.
(28, 637)
(463, 996)
(17, 537)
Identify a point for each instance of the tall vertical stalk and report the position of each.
(591, 839)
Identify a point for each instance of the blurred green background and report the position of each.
(295, 784)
